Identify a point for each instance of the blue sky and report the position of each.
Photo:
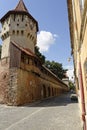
(53, 36)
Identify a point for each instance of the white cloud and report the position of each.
(45, 40)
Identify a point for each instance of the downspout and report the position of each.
(82, 95)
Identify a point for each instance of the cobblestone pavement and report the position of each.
(57, 113)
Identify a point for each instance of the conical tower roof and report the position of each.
(21, 6)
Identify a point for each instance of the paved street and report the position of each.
(57, 113)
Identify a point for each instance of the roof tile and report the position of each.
(21, 6)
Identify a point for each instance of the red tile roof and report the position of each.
(21, 6)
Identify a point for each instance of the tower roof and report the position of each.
(21, 6)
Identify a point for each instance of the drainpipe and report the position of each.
(82, 96)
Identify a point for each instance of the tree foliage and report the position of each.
(56, 68)
(53, 66)
(41, 57)
(71, 85)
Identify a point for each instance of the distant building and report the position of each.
(66, 81)
(77, 10)
(23, 78)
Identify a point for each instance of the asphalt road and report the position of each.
(57, 113)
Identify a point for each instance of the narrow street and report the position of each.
(58, 113)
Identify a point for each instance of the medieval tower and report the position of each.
(18, 26)
(23, 78)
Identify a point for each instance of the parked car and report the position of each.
(73, 97)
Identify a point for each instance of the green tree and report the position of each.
(56, 68)
(0, 51)
(41, 57)
(53, 66)
(71, 85)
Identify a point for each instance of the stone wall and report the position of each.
(24, 79)
(26, 87)
(12, 88)
(4, 79)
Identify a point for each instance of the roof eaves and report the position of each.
(71, 26)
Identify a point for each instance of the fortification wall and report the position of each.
(4, 79)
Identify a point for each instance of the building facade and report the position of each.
(77, 10)
(23, 78)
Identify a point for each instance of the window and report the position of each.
(14, 17)
(17, 32)
(22, 32)
(17, 24)
(36, 63)
(13, 32)
(26, 25)
(7, 34)
(22, 57)
(28, 35)
(22, 17)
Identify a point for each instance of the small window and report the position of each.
(17, 24)
(22, 17)
(36, 63)
(26, 25)
(17, 32)
(14, 17)
(7, 21)
(28, 35)
(28, 60)
(32, 38)
(22, 32)
(22, 58)
(7, 34)
(13, 32)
